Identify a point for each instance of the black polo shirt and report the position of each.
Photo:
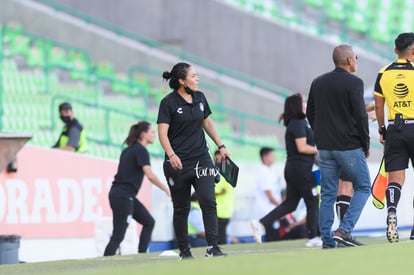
(298, 128)
(130, 173)
(185, 120)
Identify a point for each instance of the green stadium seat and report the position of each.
(335, 10)
(15, 25)
(141, 85)
(156, 149)
(8, 65)
(36, 57)
(10, 30)
(224, 129)
(121, 84)
(246, 4)
(80, 71)
(104, 69)
(358, 22)
(217, 115)
(158, 94)
(19, 124)
(382, 34)
(56, 56)
(19, 45)
(78, 61)
(95, 130)
(75, 54)
(266, 8)
(381, 29)
(315, 3)
(39, 82)
(406, 22)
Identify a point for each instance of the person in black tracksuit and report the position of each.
(300, 183)
(182, 116)
(134, 163)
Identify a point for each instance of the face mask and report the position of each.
(188, 90)
(65, 119)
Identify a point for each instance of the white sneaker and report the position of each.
(315, 242)
(258, 230)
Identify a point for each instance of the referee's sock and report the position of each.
(393, 194)
(342, 204)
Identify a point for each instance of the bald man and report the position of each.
(336, 112)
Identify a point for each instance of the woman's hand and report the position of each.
(175, 162)
(224, 153)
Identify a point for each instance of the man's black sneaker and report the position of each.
(412, 234)
(345, 238)
(340, 245)
(325, 246)
(392, 232)
(214, 251)
(185, 254)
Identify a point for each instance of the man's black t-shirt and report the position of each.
(130, 173)
(298, 128)
(185, 120)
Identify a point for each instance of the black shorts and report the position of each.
(399, 147)
(345, 177)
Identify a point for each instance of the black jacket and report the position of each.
(336, 111)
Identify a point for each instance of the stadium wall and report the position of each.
(231, 37)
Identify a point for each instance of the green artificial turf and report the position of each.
(286, 257)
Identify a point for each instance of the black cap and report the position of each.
(65, 106)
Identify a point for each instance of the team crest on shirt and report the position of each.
(171, 182)
(202, 106)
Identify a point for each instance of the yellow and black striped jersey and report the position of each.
(395, 83)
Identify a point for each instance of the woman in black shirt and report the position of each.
(134, 163)
(300, 183)
(184, 115)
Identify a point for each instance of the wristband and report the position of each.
(173, 154)
(382, 130)
(221, 146)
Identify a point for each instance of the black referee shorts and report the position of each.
(345, 177)
(399, 147)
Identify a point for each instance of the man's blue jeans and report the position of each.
(353, 163)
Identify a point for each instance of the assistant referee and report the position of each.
(394, 88)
